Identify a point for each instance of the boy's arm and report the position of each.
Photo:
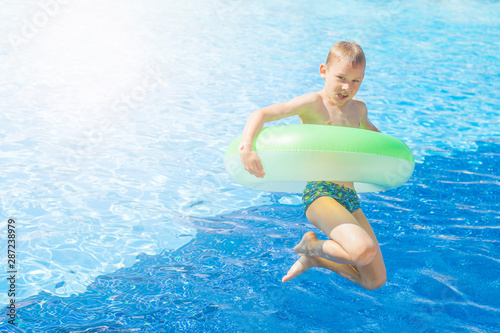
(297, 106)
(365, 123)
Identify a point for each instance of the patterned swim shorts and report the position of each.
(343, 195)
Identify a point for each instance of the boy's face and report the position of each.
(342, 81)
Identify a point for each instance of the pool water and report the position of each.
(115, 117)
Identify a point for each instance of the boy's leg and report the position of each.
(352, 252)
(349, 242)
(373, 275)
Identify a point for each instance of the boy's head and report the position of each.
(347, 52)
(344, 71)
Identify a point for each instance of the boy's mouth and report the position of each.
(342, 96)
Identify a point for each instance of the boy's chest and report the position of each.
(332, 115)
(349, 118)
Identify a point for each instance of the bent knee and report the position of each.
(374, 283)
(363, 254)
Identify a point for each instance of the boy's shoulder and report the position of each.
(359, 105)
(304, 102)
(312, 97)
(358, 102)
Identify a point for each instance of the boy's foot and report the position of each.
(304, 247)
(300, 266)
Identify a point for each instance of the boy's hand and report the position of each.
(251, 162)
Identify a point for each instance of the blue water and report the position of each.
(115, 117)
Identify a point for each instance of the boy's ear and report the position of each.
(322, 71)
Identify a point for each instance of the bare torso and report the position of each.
(324, 112)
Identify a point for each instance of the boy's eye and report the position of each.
(341, 77)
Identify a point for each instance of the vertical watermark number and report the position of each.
(11, 270)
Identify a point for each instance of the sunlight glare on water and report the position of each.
(73, 76)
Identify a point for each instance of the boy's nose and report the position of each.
(345, 86)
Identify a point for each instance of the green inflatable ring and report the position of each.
(295, 154)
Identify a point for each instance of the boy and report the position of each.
(352, 250)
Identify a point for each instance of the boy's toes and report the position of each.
(299, 267)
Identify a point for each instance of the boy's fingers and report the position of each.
(254, 167)
(256, 170)
(260, 168)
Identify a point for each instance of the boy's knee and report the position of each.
(374, 283)
(364, 254)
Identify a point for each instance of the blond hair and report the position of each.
(348, 52)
